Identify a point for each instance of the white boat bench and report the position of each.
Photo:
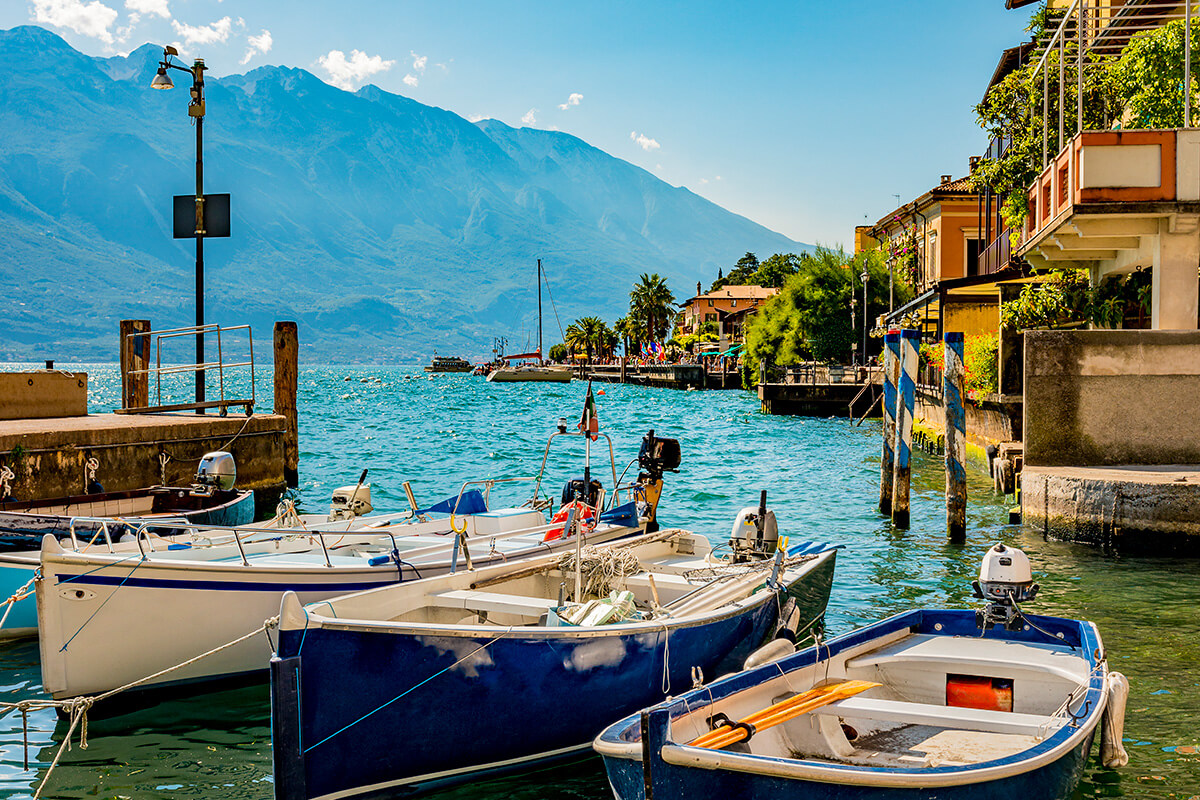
(474, 600)
(969, 719)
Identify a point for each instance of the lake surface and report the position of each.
(821, 476)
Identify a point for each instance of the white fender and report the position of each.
(1112, 727)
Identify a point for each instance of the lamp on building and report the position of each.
(162, 80)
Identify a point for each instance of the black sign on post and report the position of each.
(216, 216)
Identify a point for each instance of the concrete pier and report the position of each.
(48, 455)
(1133, 508)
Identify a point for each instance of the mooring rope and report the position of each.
(77, 708)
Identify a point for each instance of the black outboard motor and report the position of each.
(656, 457)
(591, 497)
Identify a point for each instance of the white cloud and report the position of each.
(575, 99)
(475, 117)
(703, 181)
(204, 34)
(344, 72)
(87, 19)
(530, 117)
(643, 141)
(411, 80)
(258, 44)
(419, 62)
(151, 8)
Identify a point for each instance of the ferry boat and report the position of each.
(449, 364)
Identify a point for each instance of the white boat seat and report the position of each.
(671, 585)
(473, 600)
(970, 719)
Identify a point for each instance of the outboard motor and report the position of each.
(755, 532)
(1005, 579)
(349, 502)
(656, 457)
(217, 472)
(590, 497)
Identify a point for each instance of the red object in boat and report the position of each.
(561, 516)
(975, 691)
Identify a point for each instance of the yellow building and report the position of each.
(728, 307)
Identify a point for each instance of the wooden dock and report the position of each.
(667, 376)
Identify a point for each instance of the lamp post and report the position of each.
(196, 111)
(853, 319)
(864, 281)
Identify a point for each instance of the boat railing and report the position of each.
(562, 431)
(101, 526)
(220, 366)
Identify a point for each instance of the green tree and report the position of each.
(810, 318)
(1146, 79)
(576, 339)
(746, 266)
(652, 304)
(558, 353)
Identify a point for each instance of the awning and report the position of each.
(731, 350)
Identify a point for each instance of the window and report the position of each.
(710, 317)
(710, 303)
(733, 304)
(973, 250)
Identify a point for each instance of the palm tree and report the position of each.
(576, 339)
(653, 303)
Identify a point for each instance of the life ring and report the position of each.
(586, 511)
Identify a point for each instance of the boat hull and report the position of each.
(349, 694)
(518, 375)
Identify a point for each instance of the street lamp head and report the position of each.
(162, 80)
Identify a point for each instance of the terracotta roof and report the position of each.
(739, 292)
(959, 186)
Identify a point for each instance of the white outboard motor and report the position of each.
(349, 502)
(217, 471)
(1005, 579)
(755, 532)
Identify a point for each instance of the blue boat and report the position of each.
(417, 686)
(990, 705)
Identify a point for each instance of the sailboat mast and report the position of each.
(539, 279)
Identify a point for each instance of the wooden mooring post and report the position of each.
(135, 356)
(956, 433)
(286, 350)
(891, 371)
(906, 392)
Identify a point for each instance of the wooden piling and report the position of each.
(135, 355)
(286, 380)
(905, 399)
(891, 373)
(956, 434)
(623, 369)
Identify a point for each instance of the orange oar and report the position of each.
(781, 712)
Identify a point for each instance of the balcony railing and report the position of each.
(997, 255)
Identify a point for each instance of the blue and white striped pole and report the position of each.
(891, 373)
(906, 393)
(956, 435)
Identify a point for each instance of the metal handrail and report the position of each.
(612, 458)
(220, 365)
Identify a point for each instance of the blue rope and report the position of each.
(102, 605)
(406, 691)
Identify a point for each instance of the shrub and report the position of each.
(981, 360)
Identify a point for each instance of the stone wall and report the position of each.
(1099, 398)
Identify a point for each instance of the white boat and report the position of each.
(531, 372)
(497, 671)
(110, 618)
(538, 370)
(951, 704)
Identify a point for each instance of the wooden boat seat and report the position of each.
(670, 585)
(923, 651)
(970, 719)
(475, 600)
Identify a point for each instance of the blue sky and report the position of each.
(805, 116)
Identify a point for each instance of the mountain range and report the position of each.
(387, 228)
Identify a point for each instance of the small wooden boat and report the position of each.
(23, 524)
(409, 688)
(928, 703)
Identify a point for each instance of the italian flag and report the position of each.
(589, 423)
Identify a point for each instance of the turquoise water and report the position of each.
(822, 480)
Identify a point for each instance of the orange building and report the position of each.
(728, 305)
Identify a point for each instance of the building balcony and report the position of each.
(1116, 201)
